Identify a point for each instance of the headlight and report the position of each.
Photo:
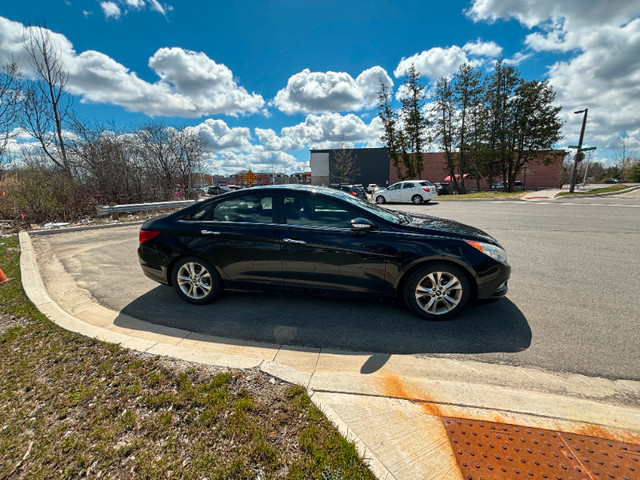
(497, 253)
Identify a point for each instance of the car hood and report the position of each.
(450, 227)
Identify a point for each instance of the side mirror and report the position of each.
(362, 225)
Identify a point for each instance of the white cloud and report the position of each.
(483, 49)
(256, 160)
(434, 63)
(118, 8)
(110, 9)
(320, 92)
(138, 4)
(220, 137)
(603, 71)
(190, 85)
(323, 131)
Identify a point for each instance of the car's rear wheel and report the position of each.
(416, 199)
(196, 280)
(437, 291)
(380, 199)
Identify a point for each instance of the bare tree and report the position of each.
(170, 156)
(46, 105)
(624, 157)
(343, 168)
(9, 95)
(106, 162)
(188, 150)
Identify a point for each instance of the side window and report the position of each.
(248, 209)
(408, 185)
(196, 215)
(316, 212)
(397, 186)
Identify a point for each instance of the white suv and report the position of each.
(414, 191)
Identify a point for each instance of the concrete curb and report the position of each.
(392, 413)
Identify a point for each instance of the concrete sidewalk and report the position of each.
(408, 416)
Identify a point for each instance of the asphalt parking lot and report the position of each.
(571, 305)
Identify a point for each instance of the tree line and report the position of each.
(488, 126)
(73, 165)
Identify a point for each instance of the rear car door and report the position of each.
(319, 249)
(241, 238)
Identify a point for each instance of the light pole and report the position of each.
(579, 155)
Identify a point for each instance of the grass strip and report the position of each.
(595, 191)
(73, 407)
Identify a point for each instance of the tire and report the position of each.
(196, 281)
(380, 199)
(437, 291)
(416, 199)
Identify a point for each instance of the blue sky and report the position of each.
(264, 81)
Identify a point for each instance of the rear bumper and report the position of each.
(158, 275)
(153, 264)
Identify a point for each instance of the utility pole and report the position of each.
(579, 155)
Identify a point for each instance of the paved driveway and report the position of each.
(572, 305)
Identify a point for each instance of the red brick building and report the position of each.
(536, 175)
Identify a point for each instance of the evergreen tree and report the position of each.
(415, 124)
(467, 97)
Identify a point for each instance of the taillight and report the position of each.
(147, 235)
(426, 189)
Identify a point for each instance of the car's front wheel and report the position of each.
(416, 199)
(437, 291)
(380, 199)
(196, 281)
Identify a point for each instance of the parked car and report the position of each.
(414, 191)
(612, 180)
(305, 238)
(217, 189)
(502, 186)
(351, 189)
(443, 188)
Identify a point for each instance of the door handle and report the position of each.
(291, 240)
(209, 232)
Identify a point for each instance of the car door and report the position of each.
(320, 250)
(394, 192)
(408, 191)
(240, 237)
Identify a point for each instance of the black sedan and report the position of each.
(302, 237)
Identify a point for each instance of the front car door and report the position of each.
(320, 250)
(394, 192)
(408, 191)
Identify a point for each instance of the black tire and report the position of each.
(380, 199)
(196, 280)
(416, 199)
(437, 291)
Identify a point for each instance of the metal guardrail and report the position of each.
(139, 207)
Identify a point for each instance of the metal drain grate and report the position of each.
(487, 451)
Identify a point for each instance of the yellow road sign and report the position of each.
(250, 177)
